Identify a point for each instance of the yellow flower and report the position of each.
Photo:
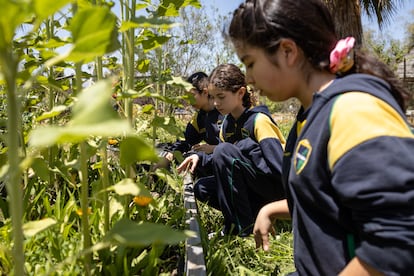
(112, 141)
(79, 211)
(142, 200)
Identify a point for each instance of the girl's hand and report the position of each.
(265, 220)
(262, 227)
(189, 163)
(204, 147)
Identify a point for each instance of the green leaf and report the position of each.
(141, 6)
(41, 169)
(14, 14)
(115, 207)
(144, 22)
(127, 186)
(94, 33)
(45, 8)
(150, 40)
(143, 65)
(167, 178)
(129, 233)
(172, 7)
(134, 149)
(148, 108)
(179, 81)
(48, 136)
(167, 123)
(94, 105)
(31, 228)
(93, 115)
(57, 110)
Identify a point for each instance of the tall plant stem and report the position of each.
(8, 64)
(51, 150)
(129, 57)
(84, 183)
(105, 185)
(104, 156)
(85, 206)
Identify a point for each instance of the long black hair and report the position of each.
(263, 23)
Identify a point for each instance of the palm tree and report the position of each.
(347, 14)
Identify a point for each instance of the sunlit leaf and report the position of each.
(145, 22)
(135, 149)
(128, 186)
(3, 159)
(94, 105)
(93, 114)
(57, 110)
(144, 92)
(4, 169)
(51, 43)
(115, 207)
(48, 136)
(147, 108)
(172, 7)
(14, 14)
(94, 33)
(179, 81)
(45, 8)
(141, 6)
(150, 40)
(143, 65)
(129, 233)
(31, 228)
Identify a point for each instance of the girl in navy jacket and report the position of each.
(203, 127)
(349, 159)
(247, 164)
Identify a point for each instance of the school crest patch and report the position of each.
(302, 155)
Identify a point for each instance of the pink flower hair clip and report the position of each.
(342, 57)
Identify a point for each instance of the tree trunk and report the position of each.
(347, 17)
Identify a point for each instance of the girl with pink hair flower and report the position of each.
(348, 166)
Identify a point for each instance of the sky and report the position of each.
(395, 29)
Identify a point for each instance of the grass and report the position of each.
(232, 255)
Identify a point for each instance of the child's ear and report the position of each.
(290, 50)
(242, 91)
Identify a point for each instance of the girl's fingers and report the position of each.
(182, 166)
(262, 240)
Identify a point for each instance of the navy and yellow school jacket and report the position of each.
(257, 136)
(204, 126)
(350, 166)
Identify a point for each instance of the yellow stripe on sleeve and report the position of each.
(265, 128)
(357, 117)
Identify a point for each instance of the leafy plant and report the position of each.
(62, 180)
